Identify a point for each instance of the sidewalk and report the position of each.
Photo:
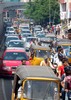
(61, 34)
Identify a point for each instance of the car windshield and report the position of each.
(42, 53)
(11, 29)
(24, 27)
(25, 31)
(15, 56)
(11, 38)
(15, 44)
(26, 35)
(40, 90)
(31, 39)
(41, 35)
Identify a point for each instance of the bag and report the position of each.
(68, 82)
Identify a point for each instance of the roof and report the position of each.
(15, 49)
(50, 35)
(37, 71)
(45, 40)
(64, 42)
(16, 41)
(37, 47)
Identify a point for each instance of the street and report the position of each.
(5, 83)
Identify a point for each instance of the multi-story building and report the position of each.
(24, 0)
(11, 0)
(65, 10)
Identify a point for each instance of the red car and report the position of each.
(11, 59)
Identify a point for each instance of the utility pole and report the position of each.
(49, 13)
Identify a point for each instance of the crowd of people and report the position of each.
(60, 65)
(58, 61)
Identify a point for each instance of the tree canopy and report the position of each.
(43, 11)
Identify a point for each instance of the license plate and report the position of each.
(13, 72)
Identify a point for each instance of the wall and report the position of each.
(1, 19)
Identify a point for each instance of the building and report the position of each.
(65, 10)
(11, 0)
(24, 0)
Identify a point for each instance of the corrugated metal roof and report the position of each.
(35, 71)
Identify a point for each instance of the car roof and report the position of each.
(24, 72)
(64, 42)
(50, 35)
(16, 41)
(32, 37)
(12, 36)
(45, 39)
(37, 47)
(15, 49)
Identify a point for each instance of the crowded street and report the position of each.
(35, 50)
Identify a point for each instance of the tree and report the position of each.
(43, 11)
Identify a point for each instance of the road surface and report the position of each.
(5, 83)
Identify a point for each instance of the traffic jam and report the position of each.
(38, 59)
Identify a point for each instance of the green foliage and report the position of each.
(43, 11)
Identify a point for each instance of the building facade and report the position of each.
(11, 0)
(65, 9)
(24, 0)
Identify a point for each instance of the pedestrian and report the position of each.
(23, 62)
(45, 62)
(66, 83)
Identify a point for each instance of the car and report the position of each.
(10, 38)
(29, 41)
(9, 33)
(16, 43)
(10, 29)
(25, 31)
(24, 36)
(40, 35)
(37, 30)
(11, 59)
(24, 27)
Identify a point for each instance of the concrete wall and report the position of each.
(1, 19)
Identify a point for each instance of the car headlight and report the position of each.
(6, 68)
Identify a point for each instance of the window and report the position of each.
(64, 7)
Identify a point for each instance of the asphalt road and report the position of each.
(5, 83)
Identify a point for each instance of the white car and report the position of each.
(16, 43)
(9, 30)
(10, 38)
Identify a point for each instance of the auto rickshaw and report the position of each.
(35, 83)
(46, 42)
(39, 53)
(66, 44)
